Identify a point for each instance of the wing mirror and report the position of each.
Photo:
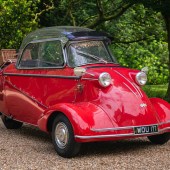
(80, 71)
(145, 69)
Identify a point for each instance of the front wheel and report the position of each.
(63, 137)
(160, 139)
(10, 124)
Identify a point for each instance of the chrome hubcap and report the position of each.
(61, 135)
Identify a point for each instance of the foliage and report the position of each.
(156, 90)
(16, 20)
(136, 56)
(139, 34)
(162, 6)
(157, 5)
(79, 12)
(139, 40)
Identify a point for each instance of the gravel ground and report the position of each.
(30, 149)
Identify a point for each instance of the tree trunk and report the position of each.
(167, 22)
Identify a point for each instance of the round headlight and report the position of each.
(105, 79)
(141, 78)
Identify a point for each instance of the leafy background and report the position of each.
(138, 28)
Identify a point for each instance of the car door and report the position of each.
(40, 80)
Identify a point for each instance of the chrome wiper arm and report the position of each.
(92, 56)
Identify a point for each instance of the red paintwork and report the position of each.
(34, 99)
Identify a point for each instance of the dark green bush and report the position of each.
(153, 55)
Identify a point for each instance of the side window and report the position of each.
(42, 54)
(50, 54)
(30, 56)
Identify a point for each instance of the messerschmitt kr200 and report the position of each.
(67, 83)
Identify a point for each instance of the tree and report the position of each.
(138, 33)
(80, 12)
(163, 7)
(139, 40)
(16, 20)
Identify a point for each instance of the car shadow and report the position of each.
(115, 147)
(32, 133)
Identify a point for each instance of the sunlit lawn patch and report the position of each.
(156, 90)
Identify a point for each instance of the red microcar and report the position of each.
(67, 83)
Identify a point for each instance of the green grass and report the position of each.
(156, 90)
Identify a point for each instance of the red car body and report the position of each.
(96, 113)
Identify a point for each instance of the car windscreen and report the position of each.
(88, 52)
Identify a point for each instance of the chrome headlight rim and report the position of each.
(141, 78)
(104, 79)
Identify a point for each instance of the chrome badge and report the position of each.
(143, 105)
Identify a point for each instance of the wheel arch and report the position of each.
(51, 119)
(162, 108)
(68, 110)
(82, 116)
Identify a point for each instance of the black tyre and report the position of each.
(160, 139)
(10, 124)
(63, 137)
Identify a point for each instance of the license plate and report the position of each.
(146, 129)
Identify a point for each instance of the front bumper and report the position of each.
(107, 134)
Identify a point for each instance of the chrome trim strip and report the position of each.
(164, 129)
(119, 128)
(102, 136)
(45, 40)
(39, 68)
(105, 66)
(26, 95)
(111, 136)
(89, 79)
(130, 89)
(164, 122)
(120, 135)
(41, 75)
(112, 129)
(137, 90)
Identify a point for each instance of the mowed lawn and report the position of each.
(156, 90)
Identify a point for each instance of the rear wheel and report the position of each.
(63, 137)
(10, 124)
(160, 139)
